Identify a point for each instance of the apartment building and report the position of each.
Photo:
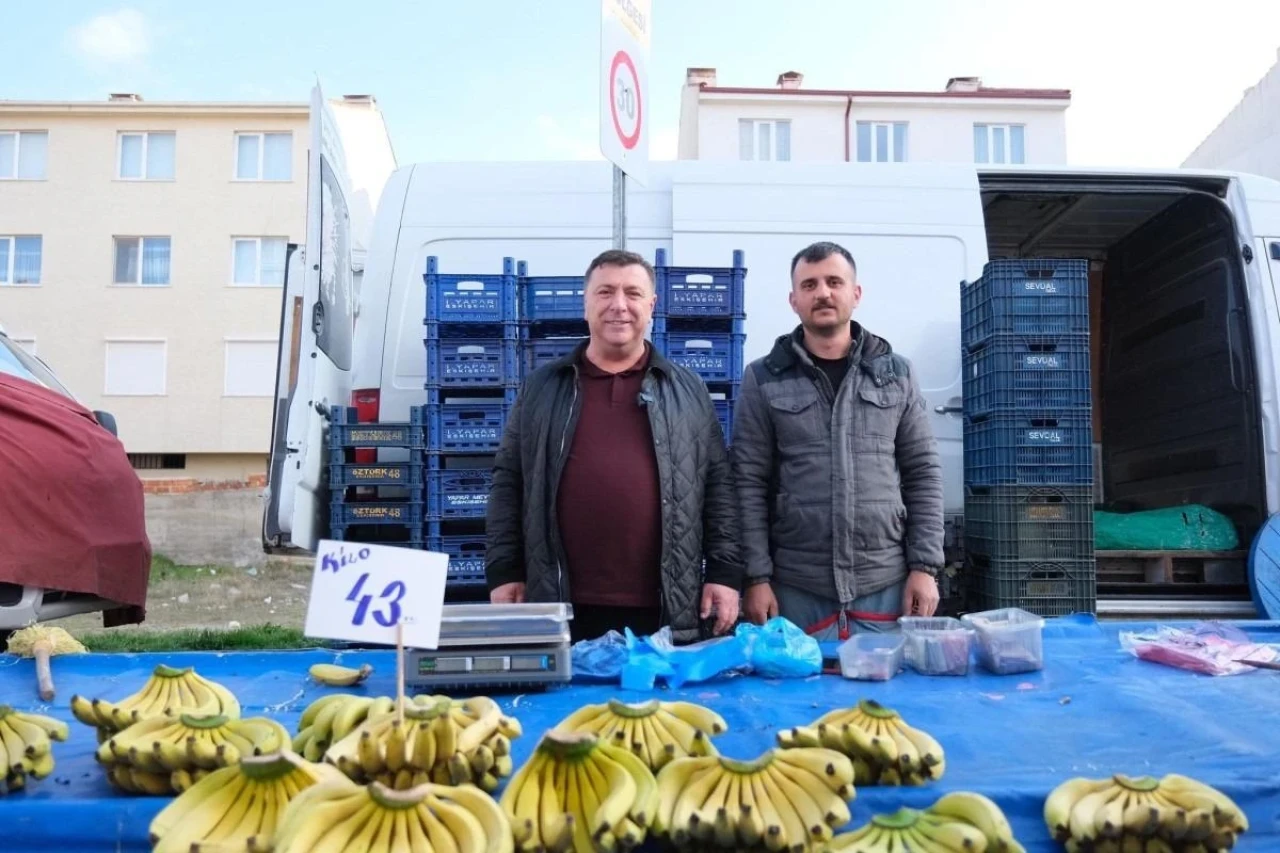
(966, 122)
(142, 253)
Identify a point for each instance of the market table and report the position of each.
(1093, 710)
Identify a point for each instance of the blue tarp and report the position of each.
(1094, 710)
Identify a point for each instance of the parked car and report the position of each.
(72, 507)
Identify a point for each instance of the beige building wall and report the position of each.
(77, 311)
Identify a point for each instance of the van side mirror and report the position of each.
(108, 422)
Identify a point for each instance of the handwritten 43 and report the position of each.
(386, 612)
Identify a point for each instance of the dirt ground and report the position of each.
(216, 597)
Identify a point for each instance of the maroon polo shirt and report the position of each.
(609, 501)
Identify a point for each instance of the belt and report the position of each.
(842, 618)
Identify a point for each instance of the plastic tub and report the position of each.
(1009, 640)
(936, 645)
(872, 656)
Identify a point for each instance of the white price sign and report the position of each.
(624, 85)
(361, 592)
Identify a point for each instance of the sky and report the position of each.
(518, 80)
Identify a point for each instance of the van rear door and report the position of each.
(316, 331)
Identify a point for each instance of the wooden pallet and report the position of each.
(1172, 567)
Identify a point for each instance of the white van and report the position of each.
(1185, 271)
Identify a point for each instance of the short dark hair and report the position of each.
(816, 252)
(620, 258)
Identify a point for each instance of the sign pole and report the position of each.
(619, 208)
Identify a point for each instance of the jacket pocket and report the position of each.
(880, 411)
(798, 419)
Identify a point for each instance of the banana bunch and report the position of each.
(883, 748)
(657, 732)
(1174, 814)
(960, 822)
(331, 718)
(787, 799)
(439, 740)
(340, 815)
(168, 691)
(25, 746)
(580, 793)
(165, 755)
(236, 808)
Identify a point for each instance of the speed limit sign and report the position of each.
(624, 85)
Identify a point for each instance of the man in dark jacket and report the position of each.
(612, 483)
(837, 470)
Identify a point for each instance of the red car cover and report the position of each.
(72, 516)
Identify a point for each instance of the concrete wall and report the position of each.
(1248, 139)
(218, 528)
(939, 130)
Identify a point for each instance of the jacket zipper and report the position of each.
(555, 491)
(651, 406)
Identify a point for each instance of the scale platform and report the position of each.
(516, 646)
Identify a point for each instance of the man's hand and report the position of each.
(920, 594)
(759, 603)
(508, 593)
(724, 600)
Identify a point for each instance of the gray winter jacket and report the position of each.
(839, 493)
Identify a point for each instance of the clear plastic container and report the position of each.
(936, 645)
(1009, 640)
(872, 656)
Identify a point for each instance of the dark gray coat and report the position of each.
(840, 493)
(699, 512)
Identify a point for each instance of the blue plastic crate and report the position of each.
(1026, 296)
(1029, 522)
(466, 557)
(472, 362)
(542, 351)
(402, 474)
(471, 425)
(458, 493)
(1029, 448)
(714, 356)
(457, 298)
(1042, 587)
(1041, 373)
(507, 331)
(551, 297)
(343, 513)
(402, 537)
(701, 325)
(701, 291)
(345, 431)
(724, 414)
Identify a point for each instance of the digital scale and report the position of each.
(518, 646)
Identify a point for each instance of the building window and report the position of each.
(882, 142)
(146, 156)
(135, 369)
(250, 369)
(257, 261)
(24, 154)
(142, 260)
(764, 139)
(999, 143)
(20, 260)
(158, 461)
(264, 156)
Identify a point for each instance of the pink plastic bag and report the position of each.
(1209, 648)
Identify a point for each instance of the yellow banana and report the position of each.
(952, 834)
(834, 808)
(703, 719)
(672, 781)
(1062, 800)
(645, 801)
(333, 675)
(979, 811)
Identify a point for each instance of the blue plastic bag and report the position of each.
(779, 649)
(655, 656)
(602, 658)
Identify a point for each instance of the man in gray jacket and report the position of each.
(838, 477)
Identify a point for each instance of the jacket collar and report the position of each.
(657, 361)
(788, 350)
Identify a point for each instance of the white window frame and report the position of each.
(990, 128)
(772, 124)
(226, 367)
(258, 241)
(892, 129)
(142, 253)
(12, 239)
(262, 153)
(146, 146)
(106, 366)
(17, 153)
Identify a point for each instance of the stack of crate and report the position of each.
(473, 373)
(372, 501)
(699, 324)
(551, 314)
(1028, 459)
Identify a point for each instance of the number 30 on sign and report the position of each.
(361, 592)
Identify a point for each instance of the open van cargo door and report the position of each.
(317, 326)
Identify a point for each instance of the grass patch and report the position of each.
(252, 638)
(163, 569)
